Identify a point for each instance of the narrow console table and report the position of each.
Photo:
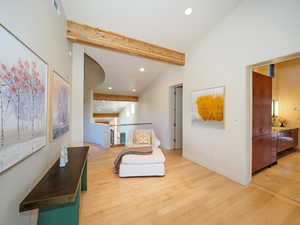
(57, 195)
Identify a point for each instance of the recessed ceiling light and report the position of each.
(142, 69)
(188, 11)
(133, 90)
(109, 88)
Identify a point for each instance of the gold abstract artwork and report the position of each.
(211, 107)
(208, 107)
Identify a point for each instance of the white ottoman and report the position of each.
(143, 165)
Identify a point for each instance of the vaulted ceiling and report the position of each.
(161, 22)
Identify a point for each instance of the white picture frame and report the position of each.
(208, 107)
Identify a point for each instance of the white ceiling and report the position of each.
(161, 22)
(109, 106)
(122, 71)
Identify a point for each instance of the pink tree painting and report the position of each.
(23, 80)
(23, 91)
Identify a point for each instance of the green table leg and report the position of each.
(62, 215)
(84, 178)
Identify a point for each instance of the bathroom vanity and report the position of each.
(284, 138)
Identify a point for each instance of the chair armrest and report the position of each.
(155, 140)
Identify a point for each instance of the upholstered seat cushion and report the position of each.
(142, 170)
(156, 157)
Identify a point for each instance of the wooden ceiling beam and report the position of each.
(102, 122)
(105, 115)
(97, 37)
(111, 97)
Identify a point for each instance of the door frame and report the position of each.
(249, 111)
(172, 114)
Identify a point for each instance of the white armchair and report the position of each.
(143, 165)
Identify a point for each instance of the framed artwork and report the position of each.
(208, 107)
(60, 106)
(23, 100)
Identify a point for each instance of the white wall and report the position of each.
(256, 31)
(97, 134)
(154, 104)
(94, 133)
(36, 23)
(77, 121)
(128, 115)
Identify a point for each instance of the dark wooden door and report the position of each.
(262, 154)
(262, 104)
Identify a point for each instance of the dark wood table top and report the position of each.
(59, 185)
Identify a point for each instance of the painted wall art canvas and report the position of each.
(208, 107)
(60, 106)
(23, 101)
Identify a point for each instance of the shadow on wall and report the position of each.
(94, 76)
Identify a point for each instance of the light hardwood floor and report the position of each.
(283, 178)
(189, 194)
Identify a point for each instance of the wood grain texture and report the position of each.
(59, 185)
(287, 139)
(105, 115)
(97, 37)
(262, 104)
(274, 148)
(111, 97)
(262, 152)
(188, 194)
(102, 122)
(283, 178)
(262, 148)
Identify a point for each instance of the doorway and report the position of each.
(176, 116)
(275, 127)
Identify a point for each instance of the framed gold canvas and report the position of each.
(208, 107)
